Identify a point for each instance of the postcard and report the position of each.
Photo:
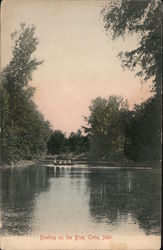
(80, 125)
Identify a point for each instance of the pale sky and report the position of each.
(80, 60)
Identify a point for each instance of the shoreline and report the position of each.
(19, 164)
(121, 164)
(90, 163)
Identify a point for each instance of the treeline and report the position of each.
(114, 132)
(24, 132)
(75, 143)
(117, 133)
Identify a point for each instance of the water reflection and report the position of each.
(115, 194)
(19, 189)
(43, 199)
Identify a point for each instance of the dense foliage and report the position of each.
(106, 127)
(116, 133)
(56, 143)
(75, 143)
(142, 132)
(24, 132)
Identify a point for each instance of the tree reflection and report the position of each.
(19, 188)
(115, 194)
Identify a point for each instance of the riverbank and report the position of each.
(90, 163)
(20, 163)
(120, 164)
(77, 160)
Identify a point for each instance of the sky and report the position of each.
(80, 59)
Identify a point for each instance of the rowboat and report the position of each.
(63, 162)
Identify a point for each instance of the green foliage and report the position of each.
(143, 132)
(18, 72)
(56, 143)
(145, 19)
(24, 132)
(106, 126)
(116, 133)
(4, 119)
(76, 143)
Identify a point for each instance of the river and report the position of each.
(79, 200)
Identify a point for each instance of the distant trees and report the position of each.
(24, 132)
(106, 127)
(76, 143)
(56, 143)
(117, 133)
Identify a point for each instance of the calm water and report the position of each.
(38, 200)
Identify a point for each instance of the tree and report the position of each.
(78, 143)
(4, 119)
(142, 132)
(106, 125)
(57, 143)
(144, 18)
(26, 130)
(17, 74)
(19, 71)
